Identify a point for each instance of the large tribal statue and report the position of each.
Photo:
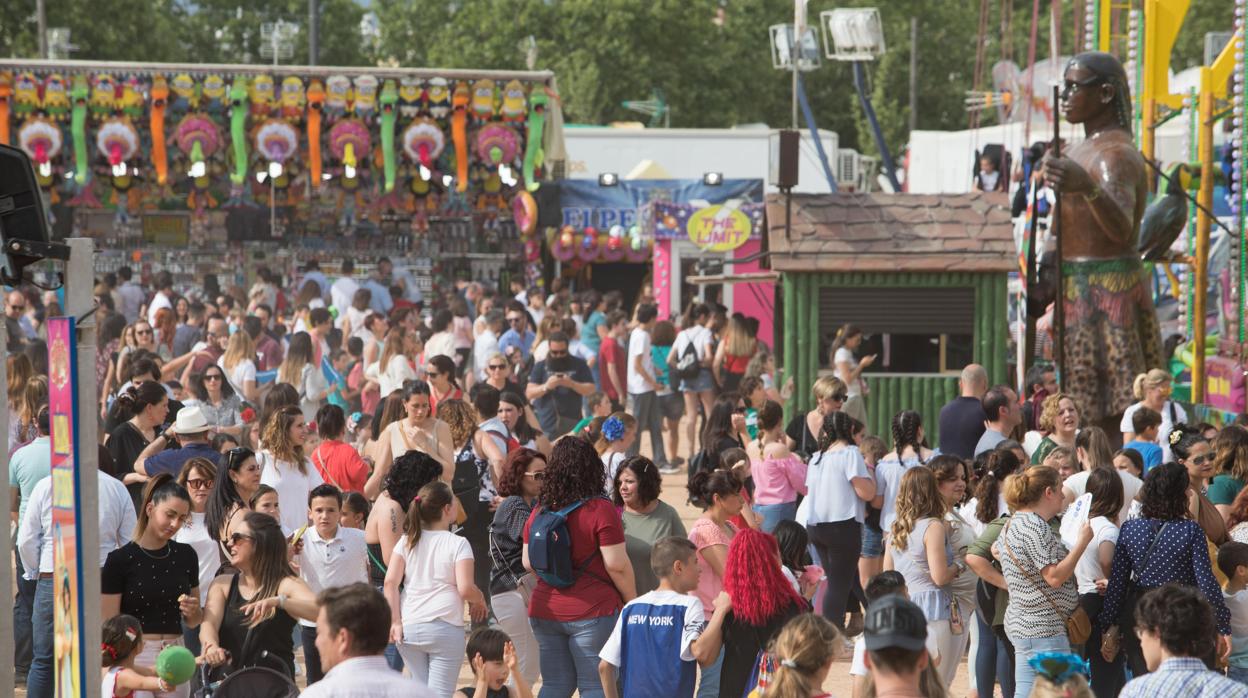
(1111, 332)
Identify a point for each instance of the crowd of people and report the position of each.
(407, 488)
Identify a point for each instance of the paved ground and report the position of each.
(838, 683)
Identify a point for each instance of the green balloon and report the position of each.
(175, 664)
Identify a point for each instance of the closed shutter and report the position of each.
(930, 311)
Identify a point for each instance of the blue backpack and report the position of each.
(550, 547)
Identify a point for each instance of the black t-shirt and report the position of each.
(961, 425)
(742, 643)
(150, 583)
(807, 443)
(125, 443)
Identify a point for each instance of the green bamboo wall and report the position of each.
(892, 393)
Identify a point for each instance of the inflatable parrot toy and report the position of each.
(459, 134)
(156, 122)
(238, 130)
(316, 109)
(78, 128)
(533, 154)
(6, 98)
(389, 113)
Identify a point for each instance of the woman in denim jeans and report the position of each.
(572, 624)
(1038, 570)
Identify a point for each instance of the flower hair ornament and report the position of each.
(613, 429)
(1058, 667)
(1175, 437)
(416, 499)
(112, 651)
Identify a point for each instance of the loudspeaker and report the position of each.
(21, 211)
(784, 159)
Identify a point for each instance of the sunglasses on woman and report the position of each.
(213, 377)
(236, 537)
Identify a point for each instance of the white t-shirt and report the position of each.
(430, 592)
(397, 372)
(342, 293)
(858, 667)
(1078, 483)
(1163, 432)
(1088, 569)
(639, 345)
(698, 335)
(327, 564)
(292, 487)
(829, 482)
(243, 371)
(1238, 604)
(612, 462)
(844, 355)
(195, 534)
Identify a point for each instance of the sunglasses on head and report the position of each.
(235, 456)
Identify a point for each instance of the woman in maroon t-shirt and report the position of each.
(572, 624)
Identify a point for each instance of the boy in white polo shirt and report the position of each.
(332, 556)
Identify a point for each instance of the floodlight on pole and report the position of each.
(853, 34)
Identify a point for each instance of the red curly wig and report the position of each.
(753, 580)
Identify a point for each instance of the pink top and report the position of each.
(461, 327)
(704, 534)
(778, 480)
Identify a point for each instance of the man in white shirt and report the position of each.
(642, 386)
(34, 545)
(351, 633)
(343, 291)
(332, 556)
(486, 344)
(132, 295)
(163, 298)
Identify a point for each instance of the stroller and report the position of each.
(269, 676)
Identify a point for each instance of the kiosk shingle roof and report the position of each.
(849, 232)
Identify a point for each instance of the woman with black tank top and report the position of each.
(250, 617)
(153, 577)
(238, 480)
(462, 418)
(144, 407)
(511, 585)
(409, 472)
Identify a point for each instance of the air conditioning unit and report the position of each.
(847, 167)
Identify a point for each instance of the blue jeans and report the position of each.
(1024, 649)
(994, 661)
(569, 654)
(773, 514)
(311, 657)
(23, 607)
(39, 680)
(708, 687)
(392, 653)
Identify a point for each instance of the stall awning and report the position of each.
(892, 232)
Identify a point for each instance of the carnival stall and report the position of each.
(154, 160)
(659, 232)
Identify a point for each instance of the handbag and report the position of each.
(1078, 625)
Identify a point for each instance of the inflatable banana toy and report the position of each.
(483, 94)
(411, 91)
(103, 97)
(459, 134)
(389, 113)
(25, 95)
(293, 99)
(78, 129)
(437, 98)
(365, 103)
(214, 96)
(533, 138)
(238, 129)
(316, 109)
(160, 102)
(260, 92)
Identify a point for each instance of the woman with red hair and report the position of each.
(763, 600)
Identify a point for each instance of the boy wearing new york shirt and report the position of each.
(659, 635)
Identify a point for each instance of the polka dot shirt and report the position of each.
(1181, 555)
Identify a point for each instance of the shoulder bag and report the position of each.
(1078, 625)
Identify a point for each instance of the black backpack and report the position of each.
(687, 366)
